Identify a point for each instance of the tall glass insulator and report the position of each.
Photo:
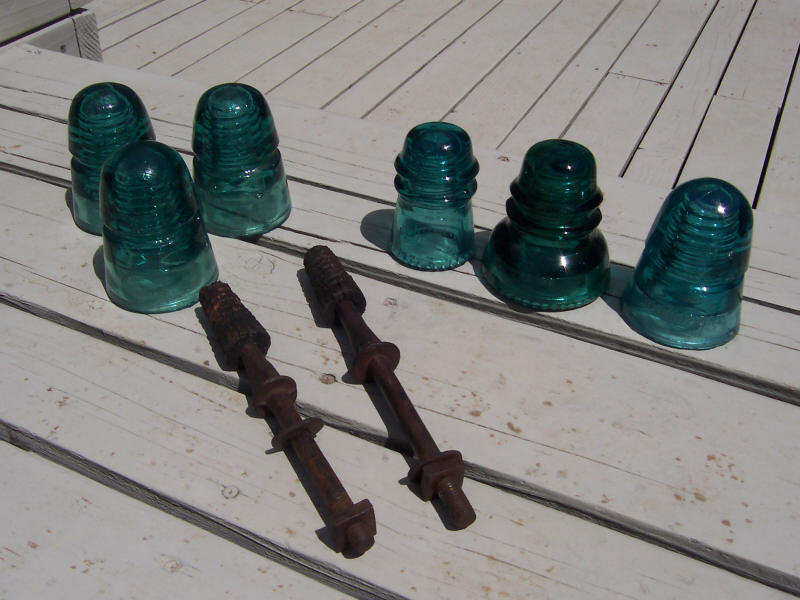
(435, 182)
(103, 117)
(239, 176)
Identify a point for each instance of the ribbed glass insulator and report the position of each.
(548, 254)
(103, 117)
(239, 174)
(435, 181)
(686, 290)
(156, 251)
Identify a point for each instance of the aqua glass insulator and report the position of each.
(238, 171)
(686, 290)
(548, 254)
(435, 182)
(102, 119)
(157, 254)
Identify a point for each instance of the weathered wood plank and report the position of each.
(623, 439)
(552, 113)
(735, 135)
(662, 151)
(376, 85)
(223, 33)
(613, 120)
(325, 8)
(197, 451)
(782, 178)
(616, 117)
(762, 64)
(344, 64)
(435, 89)
(286, 64)
(249, 51)
(662, 44)
(64, 532)
(152, 43)
(140, 20)
(74, 35)
(110, 11)
(732, 143)
(492, 108)
(20, 16)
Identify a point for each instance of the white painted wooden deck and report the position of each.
(600, 464)
(660, 90)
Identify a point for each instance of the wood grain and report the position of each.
(65, 532)
(184, 444)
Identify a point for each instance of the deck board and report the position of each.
(254, 48)
(434, 90)
(137, 51)
(140, 21)
(745, 128)
(553, 112)
(735, 136)
(380, 82)
(194, 50)
(20, 16)
(76, 527)
(345, 63)
(661, 154)
(762, 64)
(111, 11)
(612, 121)
(325, 8)
(660, 47)
(186, 451)
(285, 65)
(782, 177)
(494, 106)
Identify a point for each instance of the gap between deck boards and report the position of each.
(314, 569)
(686, 546)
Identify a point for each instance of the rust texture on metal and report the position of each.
(245, 342)
(439, 474)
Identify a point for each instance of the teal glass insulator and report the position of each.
(548, 254)
(103, 117)
(238, 171)
(156, 250)
(686, 290)
(435, 182)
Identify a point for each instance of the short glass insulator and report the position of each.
(435, 182)
(548, 253)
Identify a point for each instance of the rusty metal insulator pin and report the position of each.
(438, 473)
(245, 342)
